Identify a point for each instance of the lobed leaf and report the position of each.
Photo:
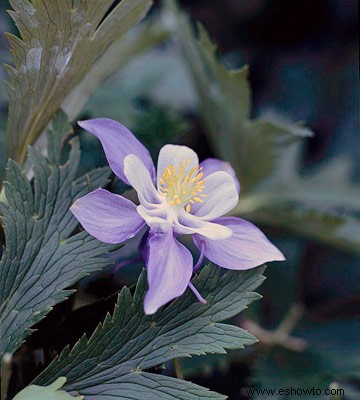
(112, 363)
(250, 145)
(119, 53)
(264, 151)
(41, 256)
(59, 42)
(322, 205)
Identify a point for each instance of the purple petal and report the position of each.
(118, 142)
(247, 248)
(169, 270)
(108, 217)
(211, 165)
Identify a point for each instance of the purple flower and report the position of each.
(185, 197)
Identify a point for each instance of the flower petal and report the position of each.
(222, 196)
(248, 247)
(211, 165)
(118, 142)
(190, 224)
(108, 217)
(174, 154)
(139, 178)
(169, 270)
(155, 219)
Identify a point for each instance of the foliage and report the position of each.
(250, 145)
(62, 52)
(58, 45)
(113, 362)
(41, 256)
(120, 52)
(50, 392)
(265, 153)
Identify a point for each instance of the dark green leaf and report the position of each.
(41, 257)
(129, 342)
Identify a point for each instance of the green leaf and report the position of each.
(2, 147)
(41, 257)
(329, 227)
(50, 392)
(322, 205)
(211, 364)
(112, 362)
(58, 45)
(252, 146)
(118, 54)
(265, 153)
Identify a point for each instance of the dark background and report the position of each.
(304, 61)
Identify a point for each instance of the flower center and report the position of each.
(182, 185)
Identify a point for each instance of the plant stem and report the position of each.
(177, 368)
(5, 374)
(282, 335)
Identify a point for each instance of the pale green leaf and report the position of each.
(50, 392)
(118, 54)
(322, 205)
(2, 146)
(326, 226)
(265, 153)
(112, 362)
(59, 43)
(252, 146)
(41, 256)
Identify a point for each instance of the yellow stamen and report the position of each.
(182, 184)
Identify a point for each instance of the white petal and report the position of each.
(139, 178)
(155, 219)
(190, 224)
(174, 154)
(222, 196)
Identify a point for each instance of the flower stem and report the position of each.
(5, 374)
(281, 336)
(177, 368)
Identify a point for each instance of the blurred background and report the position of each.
(304, 66)
(304, 61)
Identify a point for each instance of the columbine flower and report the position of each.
(185, 197)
